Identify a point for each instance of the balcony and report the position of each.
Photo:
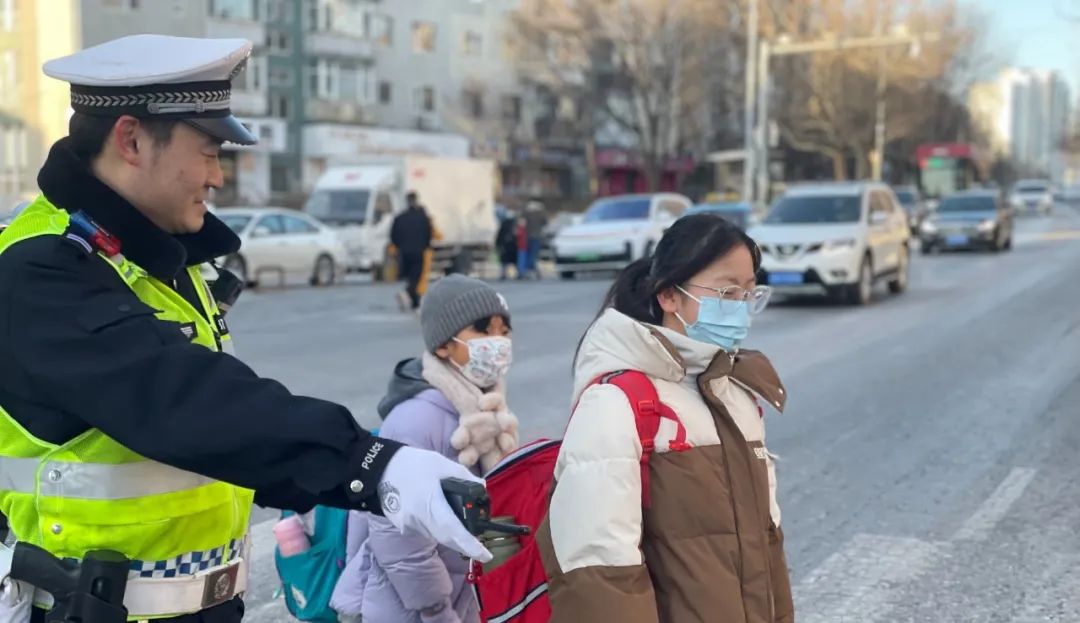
(337, 111)
(236, 28)
(333, 43)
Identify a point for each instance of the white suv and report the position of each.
(836, 239)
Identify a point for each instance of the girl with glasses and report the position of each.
(679, 524)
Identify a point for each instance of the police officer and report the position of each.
(122, 424)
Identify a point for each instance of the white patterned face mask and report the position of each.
(489, 360)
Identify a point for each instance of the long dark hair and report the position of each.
(687, 247)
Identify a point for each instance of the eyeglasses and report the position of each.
(757, 298)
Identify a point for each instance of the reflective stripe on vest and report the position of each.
(95, 481)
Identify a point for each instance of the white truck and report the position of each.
(361, 199)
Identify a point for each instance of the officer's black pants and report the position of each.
(412, 268)
(228, 612)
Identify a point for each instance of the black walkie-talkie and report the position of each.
(226, 289)
(472, 505)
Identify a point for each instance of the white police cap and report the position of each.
(159, 77)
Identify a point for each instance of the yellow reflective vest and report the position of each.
(92, 493)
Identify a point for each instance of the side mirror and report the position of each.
(260, 232)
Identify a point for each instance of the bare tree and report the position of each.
(827, 101)
(639, 66)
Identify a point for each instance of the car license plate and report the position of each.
(587, 257)
(956, 240)
(785, 279)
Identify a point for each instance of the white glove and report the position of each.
(412, 499)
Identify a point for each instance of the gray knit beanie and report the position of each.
(455, 302)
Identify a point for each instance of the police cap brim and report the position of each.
(227, 129)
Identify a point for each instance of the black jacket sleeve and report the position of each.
(75, 340)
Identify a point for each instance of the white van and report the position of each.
(361, 200)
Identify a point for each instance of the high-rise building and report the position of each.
(34, 109)
(1025, 113)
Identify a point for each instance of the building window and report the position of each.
(7, 15)
(279, 178)
(472, 44)
(320, 15)
(474, 103)
(380, 28)
(511, 108)
(365, 85)
(281, 78)
(277, 41)
(424, 99)
(385, 92)
(279, 106)
(233, 9)
(324, 79)
(254, 73)
(274, 11)
(423, 37)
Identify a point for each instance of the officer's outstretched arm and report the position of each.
(75, 340)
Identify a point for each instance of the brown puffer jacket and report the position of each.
(709, 548)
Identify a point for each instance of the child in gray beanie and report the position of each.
(451, 399)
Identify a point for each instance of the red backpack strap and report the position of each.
(648, 411)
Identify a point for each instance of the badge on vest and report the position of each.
(189, 330)
(223, 329)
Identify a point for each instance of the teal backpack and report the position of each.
(308, 579)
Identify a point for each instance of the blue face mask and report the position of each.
(721, 322)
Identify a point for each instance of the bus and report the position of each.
(945, 168)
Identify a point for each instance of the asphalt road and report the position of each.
(929, 457)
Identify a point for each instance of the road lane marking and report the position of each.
(982, 522)
(1061, 235)
(861, 582)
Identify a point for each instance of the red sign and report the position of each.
(944, 150)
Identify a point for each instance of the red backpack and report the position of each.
(520, 486)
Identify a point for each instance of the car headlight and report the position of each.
(928, 227)
(839, 245)
(987, 225)
(1016, 201)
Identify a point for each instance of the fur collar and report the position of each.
(486, 431)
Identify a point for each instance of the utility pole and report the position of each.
(879, 114)
(750, 154)
(764, 56)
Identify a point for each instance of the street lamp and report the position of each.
(785, 47)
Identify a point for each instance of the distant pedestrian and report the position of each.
(506, 244)
(693, 532)
(451, 399)
(535, 221)
(411, 234)
(522, 239)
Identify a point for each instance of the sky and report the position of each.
(1036, 33)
